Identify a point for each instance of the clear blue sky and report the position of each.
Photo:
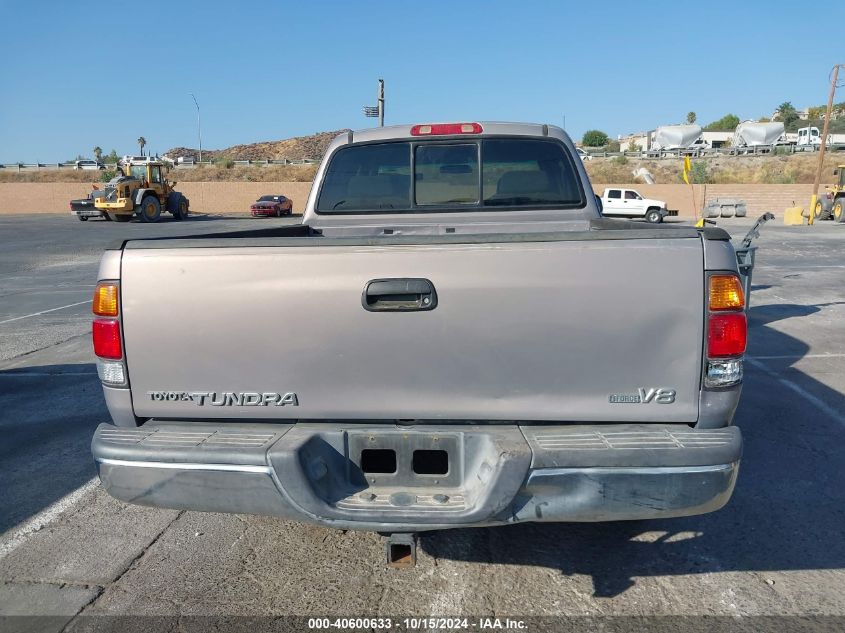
(79, 74)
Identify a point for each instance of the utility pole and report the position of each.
(381, 102)
(377, 111)
(823, 146)
(199, 123)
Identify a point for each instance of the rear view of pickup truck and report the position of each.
(455, 337)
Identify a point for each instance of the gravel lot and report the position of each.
(69, 551)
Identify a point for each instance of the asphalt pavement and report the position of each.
(69, 551)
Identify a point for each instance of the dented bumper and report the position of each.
(413, 478)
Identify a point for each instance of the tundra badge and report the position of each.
(227, 398)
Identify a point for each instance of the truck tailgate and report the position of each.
(572, 330)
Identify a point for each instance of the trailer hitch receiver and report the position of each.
(401, 550)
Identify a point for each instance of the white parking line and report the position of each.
(804, 266)
(820, 404)
(42, 374)
(10, 543)
(795, 356)
(26, 316)
(8, 292)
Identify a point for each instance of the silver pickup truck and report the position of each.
(454, 337)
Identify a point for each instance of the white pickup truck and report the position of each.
(628, 203)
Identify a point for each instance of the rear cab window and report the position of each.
(614, 194)
(446, 174)
(442, 175)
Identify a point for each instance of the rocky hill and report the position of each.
(313, 146)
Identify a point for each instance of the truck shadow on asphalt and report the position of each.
(166, 218)
(47, 418)
(786, 513)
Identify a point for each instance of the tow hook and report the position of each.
(401, 550)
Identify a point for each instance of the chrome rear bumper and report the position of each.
(497, 474)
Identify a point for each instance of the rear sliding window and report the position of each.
(456, 175)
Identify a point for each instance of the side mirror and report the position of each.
(599, 203)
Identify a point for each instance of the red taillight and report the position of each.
(106, 335)
(727, 335)
(440, 129)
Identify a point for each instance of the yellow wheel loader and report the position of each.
(832, 204)
(141, 188)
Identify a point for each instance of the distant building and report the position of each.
(803, 115)
(640, 140)
(717, 139)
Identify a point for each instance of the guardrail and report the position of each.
(22, 166)
(43, 166)
(757, 150)
(281, 161)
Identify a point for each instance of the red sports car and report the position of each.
(271, 206)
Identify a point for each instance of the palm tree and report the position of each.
(98, 152)
(691, 117)
(142, 141)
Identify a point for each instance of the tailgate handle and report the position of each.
(399, 295)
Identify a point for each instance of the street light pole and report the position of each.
(377, 111)
(199, 123)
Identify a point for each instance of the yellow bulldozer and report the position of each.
(832, 204)
(141, 189)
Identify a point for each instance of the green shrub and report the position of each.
(594, 138)
(107, 175)
(699, 174)
(727, 123)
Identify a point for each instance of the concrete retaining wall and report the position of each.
(205, 197)
(42, 197)
(235, 197)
